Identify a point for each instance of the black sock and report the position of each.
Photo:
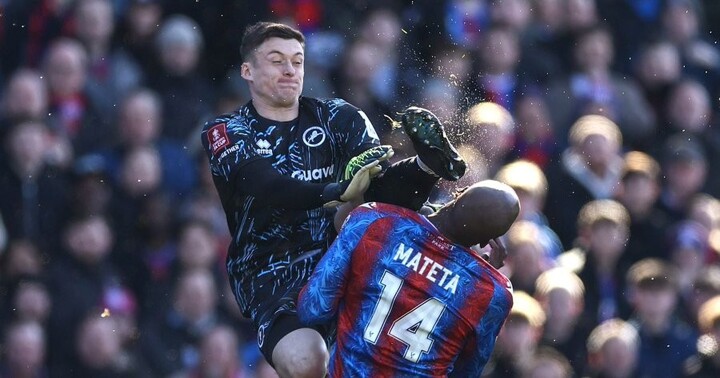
(403, 184)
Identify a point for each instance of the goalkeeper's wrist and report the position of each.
(333, 191)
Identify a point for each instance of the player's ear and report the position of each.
(245, 71)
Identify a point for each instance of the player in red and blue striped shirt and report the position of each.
(409, 296)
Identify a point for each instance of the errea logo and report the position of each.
(263, 147)
(314, 136)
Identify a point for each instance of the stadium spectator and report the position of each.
(184, 91)
(639, 192)
(531, 186)
(594, 88)
(25, 98)
(597, 260)
(657, 71)
(24, 351)
(219, 350)
(706, 286)
(613, 347)
(29, 27)
(79, 279)
(535, 138)
(689, 251)
(30, 301)
(706, 362)
(101, 352)
(171, 341)
(589, 169)
(665, 342)
(496, 78)
(560, 293)
(681, 22)
(360, 63)
(111, 73)
(527, 256)
(518, 340)
(140, 125)
(548, 363)
(33, 193)
(685, 168)
(140, 24)
(689, 112)
(74, 111)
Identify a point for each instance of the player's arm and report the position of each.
(260, 180)
(234, 160)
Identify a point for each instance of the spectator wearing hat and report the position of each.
(602, 235)
(613, 347)
(685, 167)
(589, 169)
(639, 192)
(706, 361)
(665, 342)
(518, 339)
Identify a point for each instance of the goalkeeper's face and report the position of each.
(275, 72)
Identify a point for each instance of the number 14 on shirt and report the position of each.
(413, 328)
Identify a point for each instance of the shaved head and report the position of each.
(483, 211)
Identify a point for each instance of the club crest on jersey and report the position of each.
(263, 147)
(314, 136)
(218, 138)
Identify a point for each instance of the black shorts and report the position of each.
(282, 325)
(270, 301)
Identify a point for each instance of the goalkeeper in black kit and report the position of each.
(281, 164)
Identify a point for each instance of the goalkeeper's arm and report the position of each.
(260, 180)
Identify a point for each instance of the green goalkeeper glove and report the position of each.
(378, 153)
(353, 189)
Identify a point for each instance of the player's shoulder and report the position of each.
(329, 103)
(386, 210)
(227, 118)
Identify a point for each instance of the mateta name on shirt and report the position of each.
(427, 267)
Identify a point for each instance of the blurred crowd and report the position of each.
(602, 114)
